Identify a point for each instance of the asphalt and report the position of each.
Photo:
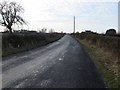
(61, 64)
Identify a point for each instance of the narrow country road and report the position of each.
(61, 64)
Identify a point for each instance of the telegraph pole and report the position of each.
(74, 25)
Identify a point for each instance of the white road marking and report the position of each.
(60, 59)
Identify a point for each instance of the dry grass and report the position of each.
(106, 62)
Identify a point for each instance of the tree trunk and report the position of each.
(10, 29)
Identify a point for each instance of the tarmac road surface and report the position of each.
(61, 64)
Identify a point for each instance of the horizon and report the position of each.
(96, 16)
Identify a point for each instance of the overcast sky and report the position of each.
(95, 15)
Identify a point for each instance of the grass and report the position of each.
(104, 61)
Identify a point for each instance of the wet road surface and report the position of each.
(61, 64)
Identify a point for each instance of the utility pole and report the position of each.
(74, 25)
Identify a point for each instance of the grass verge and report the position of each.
(103, 61)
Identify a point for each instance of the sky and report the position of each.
(95, 15)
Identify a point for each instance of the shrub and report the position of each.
(108, 43)
(111, 32)
(25, 41)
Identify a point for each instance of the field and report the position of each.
(104, 51)
(19, 42)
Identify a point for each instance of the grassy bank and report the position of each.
(105, 60)
(20, 42)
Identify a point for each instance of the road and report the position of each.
(61, 64)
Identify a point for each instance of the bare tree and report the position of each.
(10, 14)
(43, 30)
(51, 30)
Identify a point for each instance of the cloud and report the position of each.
(59, 14)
